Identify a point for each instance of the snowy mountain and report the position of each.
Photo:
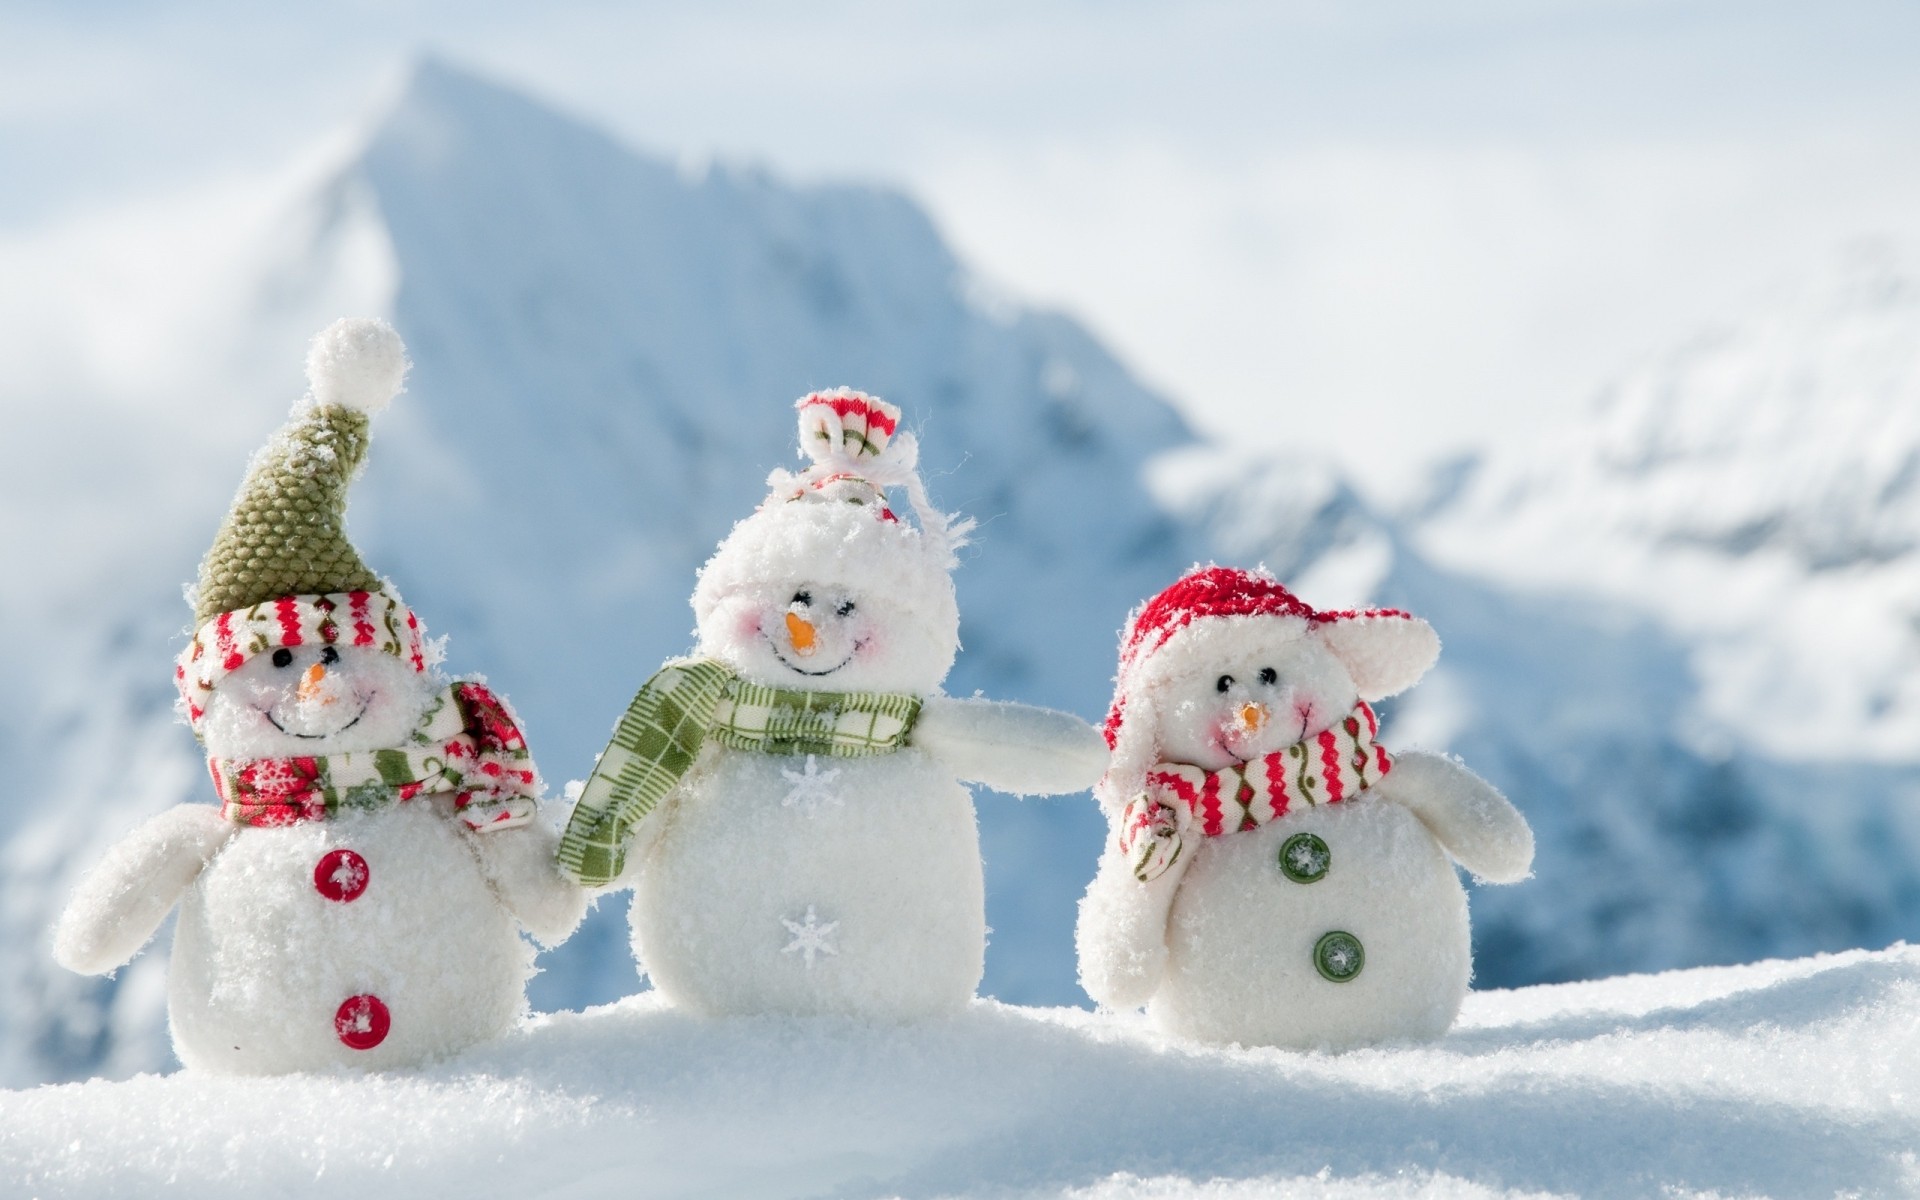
(606, 354)
(1775, 1079)
(1743, 510)
(1758, 489)
(606, 349)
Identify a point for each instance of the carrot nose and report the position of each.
(310, 683)
(1253, 717)
(800, 631)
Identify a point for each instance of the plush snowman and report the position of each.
(356, 898)
(787, 804)
(1275, 877)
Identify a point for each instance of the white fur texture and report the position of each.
(1221, 947)
(358, 362)
(886, 851)
(906, 621)
(853, 886)
(1013, 748)
(1384, 655)
(364, 700)
(261, 959)
(1240, 936)
(1479, 827)
(124, 898)
(519, 863)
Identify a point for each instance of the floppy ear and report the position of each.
(1385, 651)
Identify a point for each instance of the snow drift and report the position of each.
(1779, 1079)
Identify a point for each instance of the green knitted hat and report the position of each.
(286, 535)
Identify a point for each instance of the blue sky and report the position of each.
(1453, 223)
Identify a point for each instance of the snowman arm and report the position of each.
(1010, 747)
(1479, 827)
(124, 898)
(1121, 936)
(521, 866)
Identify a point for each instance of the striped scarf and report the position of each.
(673, 716)
(467, 743)
(1332, 766)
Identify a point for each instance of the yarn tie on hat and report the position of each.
(467, 744)
(845, 425)
(672, 717)
(1332, 767)
(858, 451)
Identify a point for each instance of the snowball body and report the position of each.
(1227, 945)
(263, 959)
(837, 885)
(283, 928)
(885, 851)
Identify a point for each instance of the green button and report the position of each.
(1304, 858)
(1339, 956)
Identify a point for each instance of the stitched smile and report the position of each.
(1227, 750)
(801, 670)
(268, 714)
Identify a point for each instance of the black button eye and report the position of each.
(1224, 682)
(803, 598)
(329, 656)
(845, 609)
(283, 657)
(1269, 676)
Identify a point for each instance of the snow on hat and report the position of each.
(281, 571)
(1187, 626)
(831, 524)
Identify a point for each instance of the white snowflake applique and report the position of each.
(812, 788)
(810, 937)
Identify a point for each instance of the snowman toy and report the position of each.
(787, 803)
(357, 897)
(1274, 876)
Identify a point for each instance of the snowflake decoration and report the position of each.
(810, 937)
(350, 873)
(812, 788)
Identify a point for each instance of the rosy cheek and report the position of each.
(747, 625)
(866, 644)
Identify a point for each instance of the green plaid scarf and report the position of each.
(676, 712)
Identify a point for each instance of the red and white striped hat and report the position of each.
(1187, 627)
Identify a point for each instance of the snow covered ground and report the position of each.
(1784, 1078)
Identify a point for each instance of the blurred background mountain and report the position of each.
(1681, 624)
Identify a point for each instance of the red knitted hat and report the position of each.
(1385, 649)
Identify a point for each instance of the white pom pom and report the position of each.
(357, 362)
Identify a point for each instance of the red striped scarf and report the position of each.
(1330, 767)
(467, 744)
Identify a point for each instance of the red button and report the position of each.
(341, 875)
(362, 1022)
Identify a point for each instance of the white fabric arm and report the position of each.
(1483, 831)
(520, 864)
(122, 901)
(1010, 747)
(1121, 935)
